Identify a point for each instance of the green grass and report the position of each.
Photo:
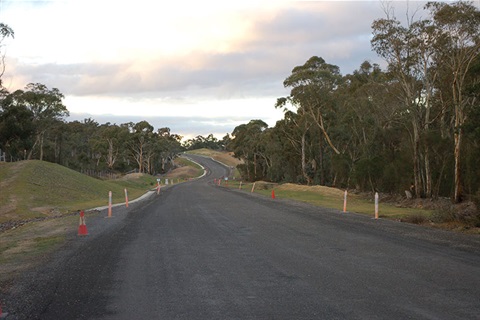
(33, 187)
(221, 156)
(188, 169)
(334, 200)
(46, 244)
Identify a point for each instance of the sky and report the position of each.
(197, 67)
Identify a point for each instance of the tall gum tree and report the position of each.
(458, 45)
(312, 86)
(5, 32)
(410, 54)
(47, 108)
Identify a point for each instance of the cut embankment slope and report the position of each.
(32, 189)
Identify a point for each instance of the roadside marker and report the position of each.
(273, 193)
(126, 198)
(345, 202)
(110, 204)
(253, 187)
(240, 187)
(376, 205)
(82, 227)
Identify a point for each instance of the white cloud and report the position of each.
(179, 59)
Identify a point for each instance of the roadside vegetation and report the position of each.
(48, 196)
(39, 202)
(409, 132)
(38, 189)
(440, 213)
(223, 157)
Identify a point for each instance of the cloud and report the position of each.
(199, 49)
(167, 60)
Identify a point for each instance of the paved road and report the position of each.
(199, 251)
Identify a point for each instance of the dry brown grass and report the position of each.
(132, 176)
(182, 172)
(27, 246)
(327, 191)
(224, 157)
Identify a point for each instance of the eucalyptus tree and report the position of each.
(471, 130)
(313, 85)
(364, 113)
(458, 45)
(199, 142)
(167, 146)
(5, 32)
(111, 142)
(410, 53)
(142, 133)
(46, 106)
(16, 128)
(295, 131)
(246, 145)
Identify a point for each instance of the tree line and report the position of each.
(32, 126)
(413, 126)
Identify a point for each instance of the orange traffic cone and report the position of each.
(273, 194)
(82, 227)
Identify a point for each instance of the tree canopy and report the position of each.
(413, 126)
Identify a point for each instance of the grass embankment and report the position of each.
(221, 156)
(32, 190)
(36, 189)
(186, 169)
(330, 198)
(318, 195)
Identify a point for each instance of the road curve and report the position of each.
(199, 251)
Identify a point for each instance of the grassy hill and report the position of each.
(32, 189)
(38, 189)
(221, 156)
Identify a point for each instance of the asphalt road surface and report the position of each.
(200, 251)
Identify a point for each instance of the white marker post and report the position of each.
(110, 204)
(345, 202)
(240, 187)
(126, 198)
(253, 187)
(376, 205)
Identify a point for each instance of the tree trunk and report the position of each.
(428, 174)
(255, 166)
(416, 162)
(457, 196)
(457, 138)
(322, 173)
(304, 164)
(41, 146)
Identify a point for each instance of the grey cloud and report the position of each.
(258, 68)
